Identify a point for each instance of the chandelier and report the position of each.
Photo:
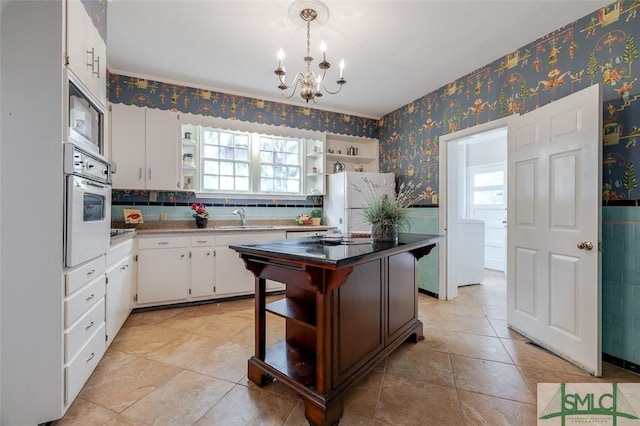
(310, 83)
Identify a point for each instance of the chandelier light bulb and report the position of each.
(341, 68)
(323, 49)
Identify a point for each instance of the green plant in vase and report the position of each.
(388, 213)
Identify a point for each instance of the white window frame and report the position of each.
(255, 128)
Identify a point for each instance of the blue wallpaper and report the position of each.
(156, 94)
(598, 48)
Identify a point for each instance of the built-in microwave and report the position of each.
(86, 119)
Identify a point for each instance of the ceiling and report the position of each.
(395, 51)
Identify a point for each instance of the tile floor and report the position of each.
(187, 366)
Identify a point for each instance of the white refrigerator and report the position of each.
(343, 203)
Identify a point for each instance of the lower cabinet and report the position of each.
(119, 286)
(84, 322)
(175, 269)
(185, 268)
(234, 279)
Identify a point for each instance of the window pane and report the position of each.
(292, 146)
(210, 137)
(242, 169)
(266, 157)
(211, 151)
(292, 158)
(226, 153)
(488, 179)
(265, 144)
(226, 168)
(211, 182)
(293, 185)
(211, 167)
(279, 157)
(226, 183)
(242, 184)
(266, 185)
(488, 197)
(226, 139)
(242, 141)
(241, 154)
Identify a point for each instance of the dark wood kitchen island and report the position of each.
(347, 307)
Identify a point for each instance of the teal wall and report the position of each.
(621, 282)
(425, 221)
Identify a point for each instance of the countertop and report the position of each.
(316, 250)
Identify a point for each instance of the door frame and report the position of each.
(449, 198)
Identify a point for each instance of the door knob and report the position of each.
(585, 245)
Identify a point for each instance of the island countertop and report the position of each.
(321, 251)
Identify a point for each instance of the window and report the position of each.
(250, 163)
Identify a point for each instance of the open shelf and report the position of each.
(349, 158)
(287, 308)
(188, 142)
(293, 363)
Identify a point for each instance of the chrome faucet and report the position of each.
(243, 216)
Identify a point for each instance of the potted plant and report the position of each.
(387, 213)
(200, 214)
(316, 216)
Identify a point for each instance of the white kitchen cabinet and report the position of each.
(339, 148)
(234, 279)
(175, 269)
(144, 148)
(86, 51)
(119, 288)
(163, 272)
(84, 322)
(203, 267)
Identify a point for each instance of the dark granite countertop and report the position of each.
(333, 254)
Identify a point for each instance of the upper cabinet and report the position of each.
(315, 167)
(144, 149)
(351, 153)
(86, 54)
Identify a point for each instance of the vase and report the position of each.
(384, 233)
(201, 222)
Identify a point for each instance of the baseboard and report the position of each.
(427, 292)
(619, 362)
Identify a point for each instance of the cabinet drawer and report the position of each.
(79, 369)
(119, 251)
(76, 278)
(162, 242)
(202, 241)
(76, 305)
(79, 334)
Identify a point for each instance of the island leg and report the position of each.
(327, 416)
(256, 374)
(417, 335)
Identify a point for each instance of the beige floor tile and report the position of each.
(493, 311)
(223, 327)
(502, 330)
(142, 339)
(181, 401)
(227, 361)
(152, 317)
(477, 346)
(83, 413)
(435, 339)
(533, 376)
(466, 323)
(121, 379)
(249, 406)
(185, 350)
(415, 361)
(411, 402)
(479, 409)
(528, 355)
(490, 378)
(361, 400)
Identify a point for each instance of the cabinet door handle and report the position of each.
(182, 256)
(97, 73)
(163, 243)
(90, 62)
(91, 272)
(149, 173)
(90, 297)
(140, 173)
(90, 357)
(89, 326)
(202, 241)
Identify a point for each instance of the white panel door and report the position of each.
(554, 193)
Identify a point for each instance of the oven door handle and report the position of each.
(97, 185)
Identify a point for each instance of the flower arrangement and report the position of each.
(303, 219)
(200, 211)
(386, 213)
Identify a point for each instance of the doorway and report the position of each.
(463, 155)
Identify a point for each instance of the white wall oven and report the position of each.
(86, 118)
(87, 205)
